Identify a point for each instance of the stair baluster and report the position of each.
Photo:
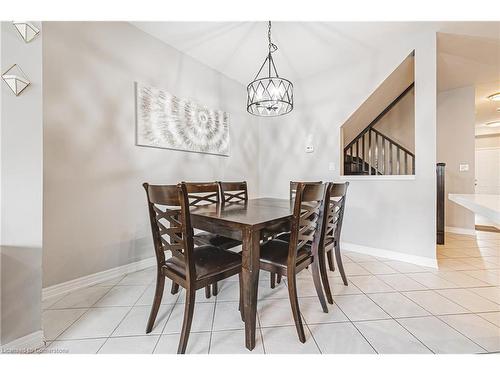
(374, 153)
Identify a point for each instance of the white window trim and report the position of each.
(373, 177)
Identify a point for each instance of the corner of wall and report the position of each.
(21, 190)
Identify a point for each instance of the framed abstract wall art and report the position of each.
(166, 121)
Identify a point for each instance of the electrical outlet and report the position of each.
(464, 167)
(309, 148)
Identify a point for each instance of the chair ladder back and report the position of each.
(306, 223)
(335, 198)
(233, 192)
(294, 184)
(202, 193)
(170, 224)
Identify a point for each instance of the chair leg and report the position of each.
(188, 319)
(273, 280)
(175, 288)
(240, 307)
(215, 289)
(331, 265)
(207, 291)
(294, 302)
(278, 278)
(317, 285)
(340, 265)
(324, 278)
(160, 285)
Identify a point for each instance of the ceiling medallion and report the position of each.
(269, 95)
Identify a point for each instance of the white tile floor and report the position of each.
(388, 307)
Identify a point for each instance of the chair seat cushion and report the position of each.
(208, 260)
(275, 252)
(207, 238)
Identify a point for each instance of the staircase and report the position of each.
(373, 153)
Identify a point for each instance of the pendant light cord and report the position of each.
(272, 47)
(269, 59)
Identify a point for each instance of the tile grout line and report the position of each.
(128, 312)
(86, 311)
(478, 295)
(168, 317)
(463, 334)
(438, 317)
(212, 325)
(399, 323)
(310, 331)
(261, 334)
(369, 343)
(120, 322)
(135, 305)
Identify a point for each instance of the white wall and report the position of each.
(21, 190)
(399, 123)
(95, 215)
(396, 215)
(455, 146)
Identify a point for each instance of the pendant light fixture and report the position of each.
(269, 95)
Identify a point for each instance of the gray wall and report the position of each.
(455, 146)
(95, 215)
(21, 190)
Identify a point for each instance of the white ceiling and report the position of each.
(471, 61)
(237, 49)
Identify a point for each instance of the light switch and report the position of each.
(331, 166)
(309, 148)
(464, 167)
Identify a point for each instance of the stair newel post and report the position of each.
(440, 203)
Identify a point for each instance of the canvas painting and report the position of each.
(166, 121)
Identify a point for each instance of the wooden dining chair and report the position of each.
(286, 235)
(289, 258)
(202, 193)
(233, 192)
(190, 267)
(294, 184)
(333, 216)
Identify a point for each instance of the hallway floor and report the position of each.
(388, 307)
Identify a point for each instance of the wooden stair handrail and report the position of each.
(382, 114)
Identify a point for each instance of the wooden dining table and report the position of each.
(246, 221)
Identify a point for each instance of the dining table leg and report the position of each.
(250, 277)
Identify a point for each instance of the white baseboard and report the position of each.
(457, 230)
(96, 278)
(383, 253)
(26, 344)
